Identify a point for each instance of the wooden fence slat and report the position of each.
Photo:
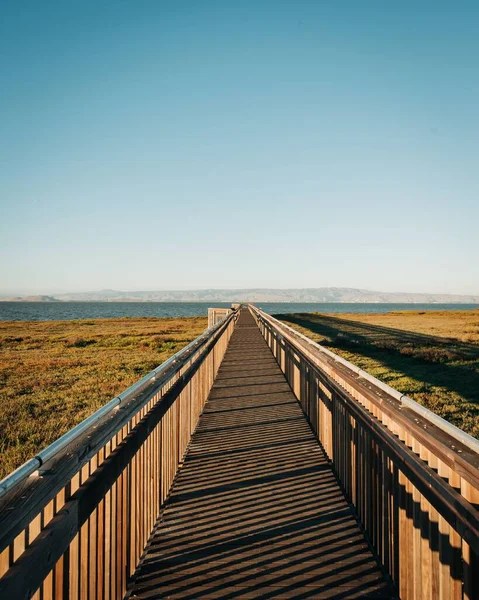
(414, 494)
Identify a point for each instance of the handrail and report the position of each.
(456, 433)
(413, 480)
(24, 494)
(77, 516)
(165, 371)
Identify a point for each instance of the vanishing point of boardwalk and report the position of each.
(256, 511)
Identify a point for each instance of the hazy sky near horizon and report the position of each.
(155, 145)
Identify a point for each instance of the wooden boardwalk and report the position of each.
(256, 511)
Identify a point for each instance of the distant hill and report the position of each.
(30, 299)
(325, 294)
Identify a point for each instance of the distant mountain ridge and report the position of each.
(323, 294)
(39, 298)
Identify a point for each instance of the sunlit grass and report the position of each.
(53, 374)
(433, 357)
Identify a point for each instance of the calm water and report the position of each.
(57, 311)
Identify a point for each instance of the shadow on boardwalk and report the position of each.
(256, 511)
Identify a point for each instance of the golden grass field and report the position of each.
(432, 356)
(53, 374)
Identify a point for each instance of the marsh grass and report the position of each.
(433, 357)
(53, 374)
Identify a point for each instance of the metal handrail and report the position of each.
(455, 432)
(164, 371)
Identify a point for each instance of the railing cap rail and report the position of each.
(170, 367)
(455, 432)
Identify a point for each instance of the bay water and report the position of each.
(59, 311)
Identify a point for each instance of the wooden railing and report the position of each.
(413, 479)
(75, 519)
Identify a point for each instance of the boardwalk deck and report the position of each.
(256, 511)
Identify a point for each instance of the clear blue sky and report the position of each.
(155, 144)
